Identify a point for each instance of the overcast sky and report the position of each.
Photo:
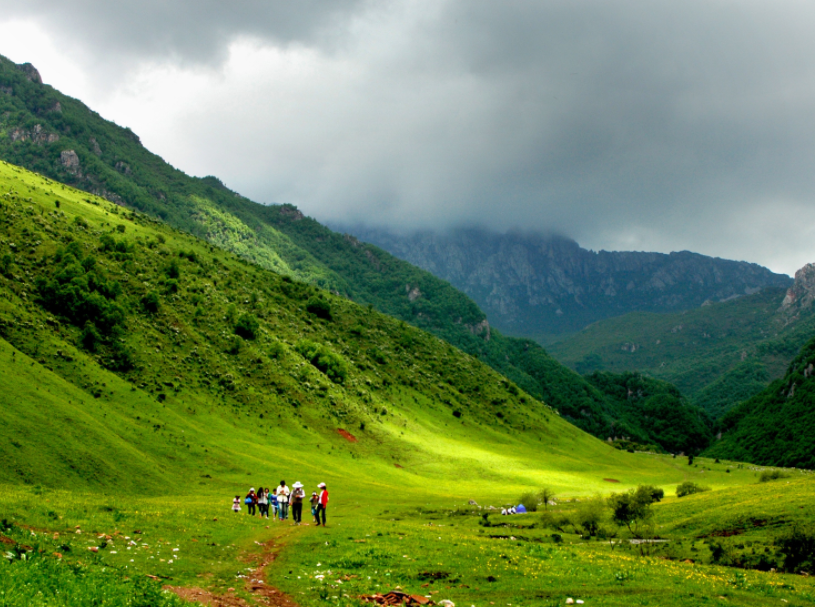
(626, 125)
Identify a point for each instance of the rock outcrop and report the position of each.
(30, 72)
(802, 292)
(37, 135)
(70, 160)
(533, 284)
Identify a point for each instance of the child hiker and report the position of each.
(314, 501)
(236, 504)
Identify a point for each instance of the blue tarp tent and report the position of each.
(520, 509)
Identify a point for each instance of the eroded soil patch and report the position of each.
(255, 584)
(347, 435)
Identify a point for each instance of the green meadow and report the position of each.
(125, 434)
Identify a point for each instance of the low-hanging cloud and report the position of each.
(623, 124)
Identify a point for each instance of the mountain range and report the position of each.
(538, 285)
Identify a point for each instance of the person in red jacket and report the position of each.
(322, 504)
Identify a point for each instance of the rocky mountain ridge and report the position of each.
(802, 292)
(537, 285)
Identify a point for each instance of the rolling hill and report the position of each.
(776, 427)
(61, 138)
(717, 355)
(138, 356)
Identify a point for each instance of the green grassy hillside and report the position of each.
(777, 426)
(178, 358)
(61, 138)
(717, 355)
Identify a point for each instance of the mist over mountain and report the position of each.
(536, 284)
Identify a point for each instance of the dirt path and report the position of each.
(255, 584)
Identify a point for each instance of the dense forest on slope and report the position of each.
(60, 137)
(777, 426)
(717, 355)
(649, 411)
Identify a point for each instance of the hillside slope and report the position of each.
(717, 355)
(138, 357)
(539, 285)
(60, 137)
(777, 426)
(648, 410)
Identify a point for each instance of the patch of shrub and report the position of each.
(6, 264)
(319, 307)
(172, 270)
(689, 488)
(530, 501)
(90, 338)
(590, 514)
(331, 364)
(118, 249)
(772, 475)
(151, 302)
(79, 292)
(797, 546)
(656, 493)
(276, 349)
(247, 326)
(555, 520)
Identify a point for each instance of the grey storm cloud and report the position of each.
(660, 125)
(195, 31)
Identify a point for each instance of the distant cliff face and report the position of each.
(802, 292)
(533, 284)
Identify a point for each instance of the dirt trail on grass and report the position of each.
(255, 584)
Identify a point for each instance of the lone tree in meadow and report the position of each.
(632, 508)
(546, 496)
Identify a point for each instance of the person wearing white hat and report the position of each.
(297, 496)
(322, 504)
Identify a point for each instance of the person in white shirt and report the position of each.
(282, 493)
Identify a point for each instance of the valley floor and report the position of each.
(67, 548)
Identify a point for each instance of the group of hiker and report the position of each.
(279, 499)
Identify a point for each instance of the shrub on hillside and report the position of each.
(329, 363)
(529, 500)
(319, 307)
(150, 302)
(590, 514)
(797, 545)
(247, 326)
(656, 493)
(772, 475)
(172, 270)
(6, 263)
(689, 488)
(78, 291)
(533, 499)
(555, 520)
